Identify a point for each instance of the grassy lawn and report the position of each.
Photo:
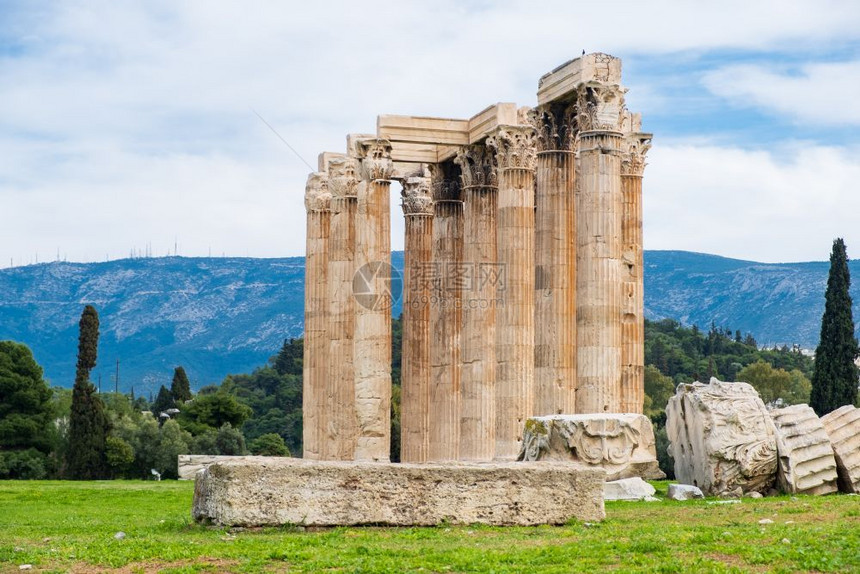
(70, 527)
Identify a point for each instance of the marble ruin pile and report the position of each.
(725, 441)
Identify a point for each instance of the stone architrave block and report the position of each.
(843, 428)
(280, 491)
(806, 462)
(721, 437)
(622, 444)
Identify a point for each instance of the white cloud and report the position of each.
(134, 122)
(823, 94)
(787, 204)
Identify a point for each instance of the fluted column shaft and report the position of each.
(633, 317)
(598, 287)
(417, 293)
(445, 321)
(316, 343)
(555, 283)
(636, 145)
(340, 392)
(372, 292)
(477, 398)
(372, 351)
(515, 334)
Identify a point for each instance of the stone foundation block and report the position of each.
(622, 444)
(317, 493)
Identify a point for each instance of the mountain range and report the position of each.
(217, 316)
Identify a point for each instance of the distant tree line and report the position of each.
(82, 434)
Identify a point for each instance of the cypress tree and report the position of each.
(88, 423)
(834, 381)
(180, 389)
(162, 402)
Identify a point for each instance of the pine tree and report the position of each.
(88, 423)
(834, 381)
(180, 389)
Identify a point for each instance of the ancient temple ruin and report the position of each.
(523, 285)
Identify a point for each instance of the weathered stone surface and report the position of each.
(806, 463)
(315, 493)
(622, 444)
(191, 464)
(721, 437)
(684, 492)
(843, 428)
(628, 489)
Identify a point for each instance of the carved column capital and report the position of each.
(341, 177)
(515, 147)
(375, 157)
(555, 126)
(635, 148)
(601, 107)
(317, 195)
(416, 196)
(477, 166)
(445, 182)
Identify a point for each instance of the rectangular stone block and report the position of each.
(279, 491)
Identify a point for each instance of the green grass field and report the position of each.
(70, 527)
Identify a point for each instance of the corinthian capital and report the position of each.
(416, 196)
(375, 157)
(601, 108)
(445, 182)
(341, 177)
(636, 146)
(317, 195)
(555, 126)
(477, 166)
(514, 146)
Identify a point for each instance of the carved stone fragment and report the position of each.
(623, 444)
(843, 427)
(806, 463)
(721, 437)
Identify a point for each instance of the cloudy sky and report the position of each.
(131, 126)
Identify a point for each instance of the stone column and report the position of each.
(477, 394)
(515, 153)
(317, 203)
(445, 316)
(417, 292)
(372, 290)
(633, 318)
(341, 426)
(555, 260)
(598, 251)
